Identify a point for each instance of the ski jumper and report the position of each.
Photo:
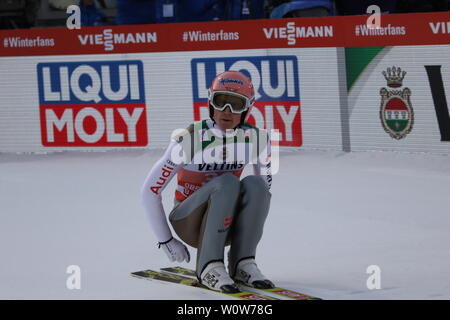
(212, 206)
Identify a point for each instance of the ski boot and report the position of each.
(247, 272)
(215, 277)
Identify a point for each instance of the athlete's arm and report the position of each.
(263, 166)
(158, 178)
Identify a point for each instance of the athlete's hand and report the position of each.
(175, 250)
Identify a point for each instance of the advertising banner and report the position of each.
(331, 83)
(340, 31)
(397, 99)
(79, 106)
(102, 102)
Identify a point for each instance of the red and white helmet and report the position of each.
(233, 83)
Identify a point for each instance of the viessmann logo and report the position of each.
(440, 27)
(109, 39)
(277, 90)
(92, 104)
(292, 32)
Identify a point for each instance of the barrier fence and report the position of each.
(329, 83)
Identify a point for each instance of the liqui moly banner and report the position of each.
(99, 103)
(276, 83)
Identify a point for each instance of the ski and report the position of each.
(192, 282)
(280, 292)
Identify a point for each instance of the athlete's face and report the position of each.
(226, 119)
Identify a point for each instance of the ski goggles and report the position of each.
(220, 100)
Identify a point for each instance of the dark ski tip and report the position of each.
(230, 288)
(263, 284)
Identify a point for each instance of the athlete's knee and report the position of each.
(227, 182)
(254, 184)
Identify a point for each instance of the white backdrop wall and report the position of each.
(318, 114)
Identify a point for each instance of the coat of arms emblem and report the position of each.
(396, 112)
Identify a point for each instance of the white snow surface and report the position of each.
(332, 215)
